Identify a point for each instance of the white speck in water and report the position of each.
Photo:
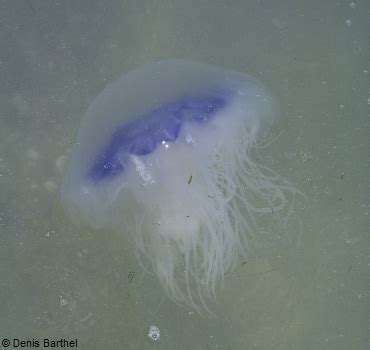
(50, 186)
(21, 105)
(63, 302)
(348, 22)
(165, 144)
(352, 5)
(278, 23)
(189, 139)
(32, 154)
(154, 333)
(61, 163)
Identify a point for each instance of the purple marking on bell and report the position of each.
(143, 135)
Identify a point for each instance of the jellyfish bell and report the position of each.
(163, 154)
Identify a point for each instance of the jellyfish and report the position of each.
(164, 154)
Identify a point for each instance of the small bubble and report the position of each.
(348, 22)
(352, 5)
(154, 333)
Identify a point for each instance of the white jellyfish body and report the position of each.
(164, 154)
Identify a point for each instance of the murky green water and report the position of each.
(62, 280)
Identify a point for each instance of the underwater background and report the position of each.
(308, 288)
